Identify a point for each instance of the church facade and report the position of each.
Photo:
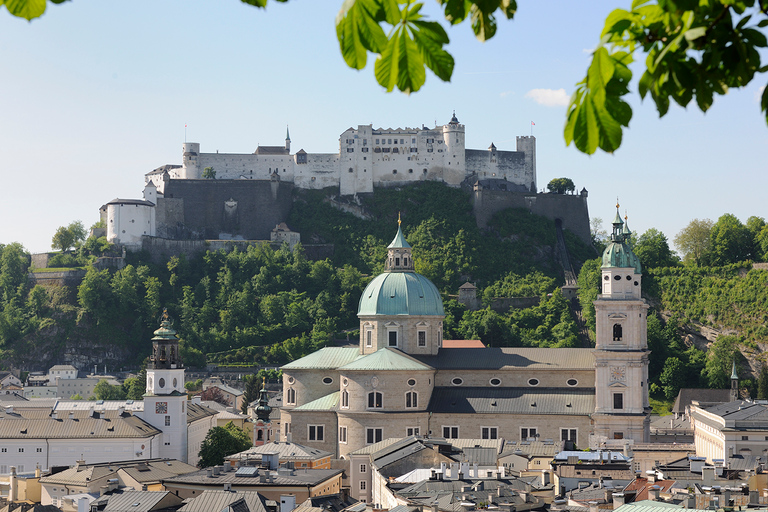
(400, 381)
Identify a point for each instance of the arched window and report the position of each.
(375, 400)
(616, 332)
(411, 400)
(345, 399)
(291, 397)
(260, 435)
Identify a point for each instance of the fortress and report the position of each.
(248, 194)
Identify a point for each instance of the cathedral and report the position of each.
(400, 381)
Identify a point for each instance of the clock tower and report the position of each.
(621, 351)
(165, 403)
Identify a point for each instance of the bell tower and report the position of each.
(165, 403)
(622, 410)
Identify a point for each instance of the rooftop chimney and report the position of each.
(618, 500)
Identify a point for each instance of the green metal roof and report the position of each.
(386, 359)
(401, 293)
(399, 241)
(619, 254)
(325, 403)
(325, 358)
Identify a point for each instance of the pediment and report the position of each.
(617, 316)
(617, 385)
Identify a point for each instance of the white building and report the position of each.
(734, 428)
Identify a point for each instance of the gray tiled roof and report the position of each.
(385, 359)
(284, 450)
(215, 500)
(471, 400)
(301, 477)
(703, 396)
(156, 471)
(140, 202)
(373, 448)
(143, 471)
(136, 501)
(510, 358)
(326, 358)
(197, 412)
(28, 424)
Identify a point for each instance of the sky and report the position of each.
(95, 94)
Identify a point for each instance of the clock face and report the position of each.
(161, 408)
(618, 373)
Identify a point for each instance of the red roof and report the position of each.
(641, 486)
(463, 344)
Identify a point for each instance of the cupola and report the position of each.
(399, 256)
(165, 346)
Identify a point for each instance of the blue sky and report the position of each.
(95, 94)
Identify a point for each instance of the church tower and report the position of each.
(621, 351)
(165, 404)
(262, 428)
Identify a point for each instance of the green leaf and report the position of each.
(483, 23)
(455, 10)
(358, 32)
(392, 13)
(27, 9)
(695, 33)
(645, 83)
(430, 44)
(704, 95)
(608, 130)
(619, 110)
(400, 64)
(256, 3)
(764, 102)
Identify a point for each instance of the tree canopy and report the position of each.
(653, 250)
(221, 442)
(693, 240)
(561, 185)
(692, 50)
(70, 236)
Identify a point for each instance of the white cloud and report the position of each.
(549, 97)
(506, 93)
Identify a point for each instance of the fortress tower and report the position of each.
(166, 398)
(621, 351)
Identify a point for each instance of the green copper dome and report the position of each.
(619, 253)
(401, 293)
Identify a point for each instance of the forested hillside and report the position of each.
(269, 307)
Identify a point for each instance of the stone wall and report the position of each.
(215, 209)
(62, 278)
(571, 210)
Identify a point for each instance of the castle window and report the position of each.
(364, 150)
(260, 435)
(489, 432)
(413, 141)
(411, 431)
(411, 400)
(375, 400)
(386, 150)
(343, 435)
(618, 401)
(529, 433)
(618, 435)
(617, 332)
(568, 434)
(373, 435)
(392, 338)
(345, 399)
(395, 150)
(425, 171)
(377, 141)
(290, 398)
(414, 150)
(316, 432)
(394, 171)
(350, 150)
(368, 338)
(402, 141)
(397, 262)
(377, 150)
(422, 338)
(350, 169)
(405, 261)
(451, 432)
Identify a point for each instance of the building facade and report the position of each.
(400, 381)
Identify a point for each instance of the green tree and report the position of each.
(103, 390)
(653, 250)
(250, 393)
(598, 233)
(762, 382)
(221, 442)
(730, 241)
(561, 185)
(720, 358)
(694, 241)
(70, 236)
(209, 173)
(135, 387)
(76, 396)
(673, 377)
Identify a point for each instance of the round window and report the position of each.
(344, 381)
(327, 380)
(411, 382)
(629, 278)
(572, 382)
(606, 278)
(617, 278)
(175, 382)
(533, 382)
(291, 380)
(161, 382)
(495, 382)
(457, 381)
(636, 283)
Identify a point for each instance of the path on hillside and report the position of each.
(570, 282)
